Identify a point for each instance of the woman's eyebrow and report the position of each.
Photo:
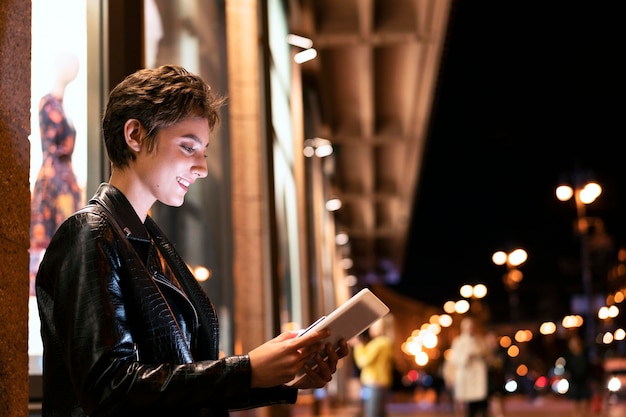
(195, 139)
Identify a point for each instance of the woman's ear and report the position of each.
(133, 134)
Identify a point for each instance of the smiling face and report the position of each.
(178, 159)
(166, 172)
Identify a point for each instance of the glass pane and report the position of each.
(191, 33)
(58, 132)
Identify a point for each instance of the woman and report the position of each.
(469, 358)
(126, 328)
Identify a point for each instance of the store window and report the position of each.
(58, 166)
(286, 138)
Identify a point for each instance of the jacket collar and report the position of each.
(118, 205)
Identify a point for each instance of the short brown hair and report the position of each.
(158, 98)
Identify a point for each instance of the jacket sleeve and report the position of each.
(85, 321)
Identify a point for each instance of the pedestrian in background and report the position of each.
(579, 369)
(376, 363)
(497, 362)
(469, 357)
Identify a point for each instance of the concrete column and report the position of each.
(244, 99)
(15, 49)
(251, 242)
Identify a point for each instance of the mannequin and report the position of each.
(56, 194)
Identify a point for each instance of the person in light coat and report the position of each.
(469, 358)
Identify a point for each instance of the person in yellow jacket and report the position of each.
(375, 361)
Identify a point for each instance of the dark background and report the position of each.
(530, 93)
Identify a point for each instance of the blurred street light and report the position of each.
(583, 194)
(473, 291)
(547, 327)
(461, 306)
(319, 147)
(512, 277)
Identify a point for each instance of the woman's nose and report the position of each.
(200, 169)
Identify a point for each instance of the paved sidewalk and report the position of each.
(515, 406)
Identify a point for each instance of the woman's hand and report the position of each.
(320, 375)
(276, 361)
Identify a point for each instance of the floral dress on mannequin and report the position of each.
(56, 194)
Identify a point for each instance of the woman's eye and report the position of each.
(188, 148)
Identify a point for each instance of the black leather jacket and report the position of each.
(126, 328)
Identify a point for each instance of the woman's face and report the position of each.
(467, 326)
(177, 160)
(376, 329)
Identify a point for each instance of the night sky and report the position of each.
(530, 93)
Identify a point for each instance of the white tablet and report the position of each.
(348, 320)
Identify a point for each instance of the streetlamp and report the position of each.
(583, 195)
(512, 277)
(474, 294)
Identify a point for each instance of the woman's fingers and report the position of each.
(310, 338)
